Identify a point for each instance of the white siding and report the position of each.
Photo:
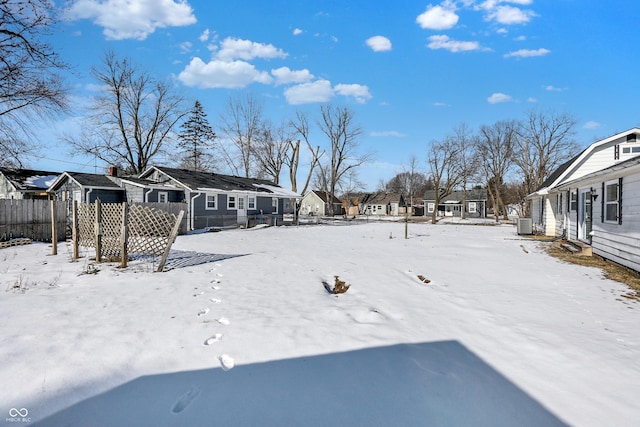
(620, 242)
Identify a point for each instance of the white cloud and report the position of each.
(440, 104)
(232, 48)
(379, 43)
(520, 38)
(592, 125)
(307, 93)
(551, 88)
(359, 92)
(185, 47)
(205, 35)
(509, 15)
(440, 17)
(528, 53)
(444, 42)
(222, 74)
(132, 20)
(284, 76)
(388, 133)
(532, 100)
(297, 32)
(498, 97)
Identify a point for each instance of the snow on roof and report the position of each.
(40, 181)
(278, 191)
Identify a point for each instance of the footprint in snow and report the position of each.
(185, 400)
(203, 311)
(215, 300)
(215, 281)
(226, 362)
(223, 321)
(215, 288)
(198, 294)
(212, 339)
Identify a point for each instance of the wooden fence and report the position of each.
(31, 218)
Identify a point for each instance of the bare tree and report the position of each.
(133, 116)
(495, 148)
(242, 122)
(410, 182)
(195, 138)
(544, 140)
(337, 123)
(31, 86)
(468, 160)
(301, 127)
(271, 149)
(443, 160)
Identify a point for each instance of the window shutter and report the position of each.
(568, 201)
(602, 206)
(616, 152)
(620, 200)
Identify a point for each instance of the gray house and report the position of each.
(25, 183)
(451, 205)
(216, 200)
(86, 188)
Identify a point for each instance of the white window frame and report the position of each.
(573, 202)
(241, 203)
(472, 207)
(274, 204)
(161, 195)
(431, 207)
(211, 198)
(232, 202)
(611, 199)
(251, 202)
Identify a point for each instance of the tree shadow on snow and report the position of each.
(427, 384)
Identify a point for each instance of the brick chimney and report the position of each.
(113, 171)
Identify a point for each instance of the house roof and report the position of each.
(629, 164)
(325, 197)
(85, 180)
(28, 179)
(476, 194)
(380, 198)
(566, 169)
(194, 180)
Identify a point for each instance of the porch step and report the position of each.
(577, 248)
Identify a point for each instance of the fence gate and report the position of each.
(118, 230)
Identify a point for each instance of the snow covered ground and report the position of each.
(242, 332)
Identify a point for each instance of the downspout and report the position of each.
(146, 195)
(87, 196)
(193, 213)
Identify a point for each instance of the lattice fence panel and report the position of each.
(149, 230)
(111, 229)
(86, 225)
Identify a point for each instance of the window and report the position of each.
(231, 202)
(274, 204)
(212, 201)
(241, 203)
(431, 207)
(611, 201)
(574, 201)
(251, 203)
(163, 197)
(559, 203)
(472, 207)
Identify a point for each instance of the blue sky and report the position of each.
(410, 70)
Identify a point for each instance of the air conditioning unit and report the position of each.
(525, 226)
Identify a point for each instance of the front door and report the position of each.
(242, 210)
(586, 217)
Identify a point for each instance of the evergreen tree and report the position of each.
(195, 138)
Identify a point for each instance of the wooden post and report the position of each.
(124, 238)
(172, 237)
(54, 231)
(98, 231)
(75, 235)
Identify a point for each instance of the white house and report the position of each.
(546, 211)
(320, 203)
(595, 199)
